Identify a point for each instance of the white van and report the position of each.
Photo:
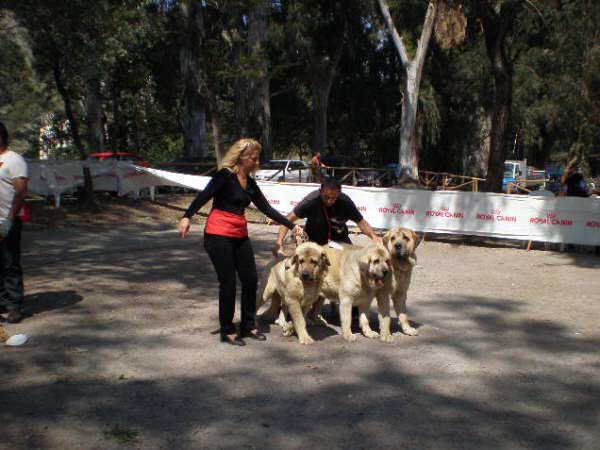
(290, 170)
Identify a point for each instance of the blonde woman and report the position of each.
(226, 235)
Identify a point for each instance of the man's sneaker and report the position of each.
(14, 317)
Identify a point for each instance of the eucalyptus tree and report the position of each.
(510, 27)
(318, 33)
(192, 36)
(413, 67)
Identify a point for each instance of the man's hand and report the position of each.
(376, 238)
(298, 231)
(184, 227)
(5, 227)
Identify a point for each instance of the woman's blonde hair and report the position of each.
(239, 149)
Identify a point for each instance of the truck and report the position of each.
(518, 172)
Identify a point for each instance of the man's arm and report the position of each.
(367, 230)
(283, 233)
(20, 185)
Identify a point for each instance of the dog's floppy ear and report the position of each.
(324, 259)
(292, 263)
(418, 238)
(386, 238)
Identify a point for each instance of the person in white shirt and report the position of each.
(13, 188)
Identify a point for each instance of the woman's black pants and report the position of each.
(231, 255)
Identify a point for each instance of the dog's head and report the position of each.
(402, 244)
(309, 261)
(375, 265)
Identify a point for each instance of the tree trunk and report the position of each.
(321, 87)
(95, 131)
(194, 126)
(116, 137)
(260, 94)
(73, 121)
(478, 156)
(500, 122)
(323, 70)
(407, 155)
(88, 200)
(496, 26)
(215, 125)
(194, 110)
(240, 105)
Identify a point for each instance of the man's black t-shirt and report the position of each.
(325, 224)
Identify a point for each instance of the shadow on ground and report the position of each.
(509, 383)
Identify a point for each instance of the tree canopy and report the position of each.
(172, 79)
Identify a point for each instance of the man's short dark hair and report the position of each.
(3, 135)
(330, 182)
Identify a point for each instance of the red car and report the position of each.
(120, 156)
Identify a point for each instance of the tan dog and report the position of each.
(363, 273)
(294, 285)
(401, 243)
(3, 334)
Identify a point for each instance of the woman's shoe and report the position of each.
(237, 341)
(254, 334)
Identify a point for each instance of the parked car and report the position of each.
(119, 156)
(292, 170)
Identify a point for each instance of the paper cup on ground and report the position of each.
(16, 340)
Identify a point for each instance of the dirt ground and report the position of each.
(121, 316)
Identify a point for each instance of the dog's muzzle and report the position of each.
(401, 251)
(379, 280)
(306, 276)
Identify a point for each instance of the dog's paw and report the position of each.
(306, 340)
(410, 331)
(288, 329)
(349, 336)
(371, 334)
(386, 338)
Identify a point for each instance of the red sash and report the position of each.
(223, 223)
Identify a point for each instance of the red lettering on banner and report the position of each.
(495, 215)
(444, 212)
(273, 202)
(362, 208)
(550, 219)
(293, 202)
(397, 210)
(593, 224)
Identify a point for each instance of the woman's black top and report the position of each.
(229, 195)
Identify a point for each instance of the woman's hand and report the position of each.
(184, 227)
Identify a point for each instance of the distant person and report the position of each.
(326, 211)
(226, 235)
(574, 183)
(13, 188)
(316, 167)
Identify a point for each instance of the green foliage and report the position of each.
(132, 49)
(165, 149)
(22, 99)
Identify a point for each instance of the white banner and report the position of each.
(526, 217)
(50, 177)
(550, 219)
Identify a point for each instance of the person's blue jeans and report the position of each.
(11, 274)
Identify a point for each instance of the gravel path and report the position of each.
(122, 355)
